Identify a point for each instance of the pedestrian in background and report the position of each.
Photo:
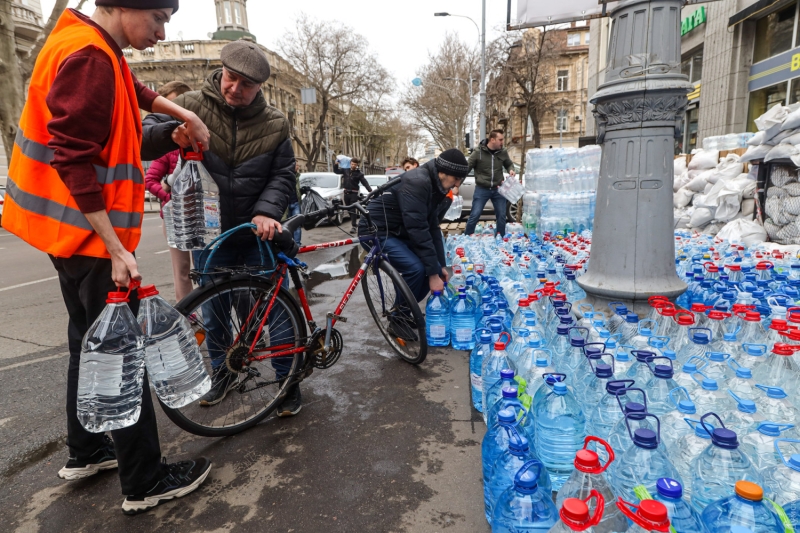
(352, 177)
(76, 192)
(489, 161)
(294, 203)
(409, 163)
(156, 182)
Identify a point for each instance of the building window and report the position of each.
(763, 99)
(238, 14)
(692, 67)
(774, 33)
(562, 80)
(228, 13)
(586, 38)
(573, 39)
(562, 124)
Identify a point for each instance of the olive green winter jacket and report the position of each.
(489, 166)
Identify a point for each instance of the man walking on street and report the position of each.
(489, 160)
(352, 177)
(76, 192)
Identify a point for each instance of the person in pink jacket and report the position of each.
(158, 171)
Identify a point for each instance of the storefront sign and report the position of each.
(693, 20)
(774, 70)
(694, 95)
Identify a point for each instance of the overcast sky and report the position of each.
(400, 33)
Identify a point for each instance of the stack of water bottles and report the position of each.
(561, 185)
(681, 420)
(192, 217)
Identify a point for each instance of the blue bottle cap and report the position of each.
(577, 342)
(510, 392)
(523, 332)
(773, 392)
(502, 304)
(663, 371)
(729, 337)
(486, 338)
(462, 295)
(612, 387)
(534, 343)
(717, 357)
(541, 362)
(507, 373)
(632, 318)
(623, 357)
(653, 341)
(643, 355)
(701, 432)
(755, 349)
(647, 332)
(635, 409)
(560, 388)
(437, 293)
(526, 482)
(518, 444)
(496, 326)
(603, 371)
(794, 462)
(710, 384)
(487, 310)
(743, 372)
(645, 438)
(506, 416)
(700, 338)
(562, 311)
(687, 407)
(725, 438)
(622, 310)
(563, 329)
(746, 406)
(669, 488)
(670, 354)
(770, 429)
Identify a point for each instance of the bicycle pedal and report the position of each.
(252, 372)
(336, 317)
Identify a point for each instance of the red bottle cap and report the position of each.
(145, 291)
(117, 298)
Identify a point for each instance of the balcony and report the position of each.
(28, 23)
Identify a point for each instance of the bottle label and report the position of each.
(438, 331)
(463, 335)
(211, 212)
(476, 380)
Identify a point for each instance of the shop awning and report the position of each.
(751, 11)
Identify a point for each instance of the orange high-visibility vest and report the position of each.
(38, 206)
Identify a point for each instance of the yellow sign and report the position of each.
(795, 62)
(696, 93)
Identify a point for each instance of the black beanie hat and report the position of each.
(453, 163)
(140, 4)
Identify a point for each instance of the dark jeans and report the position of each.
(294, 209)
(479, 199)
(221, 328)
(85, 284)
(351, 198)
(406, 262)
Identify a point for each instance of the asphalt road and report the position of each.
(380, 446)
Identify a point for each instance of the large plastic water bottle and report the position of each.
(745, 508)
(462, 323)
(629, 329)
(784, 479)
(745, 418)
(526, 506)
(591, 392)
(574, 514)
(634, 413)
(482, 348)
(173, 359)
(741, 382)
(774, 404)
(778, 369)
(187, 210)
(643, 463)
(647, 517)
(575, 357)
(682, 517)
(492, 365)
(495, 392)
(720, 466)
(542, 365)
(525, 360)
(519, 343)
(437, 320)
(699, 339)
(111, 369)
(169, 223)
(495, 440)
(660, 386)
(560, 430)
(709, 396)
(691, 445)
(506, 467)
(588, 476)
(759, 445)
(751, 355)
(716, 366)
(608, 410)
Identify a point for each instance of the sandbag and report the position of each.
(756, 139)
(749, 192)
(781, 151)
(744, 232)
(748, 207)
(680, 181)
(708, 188)
(755, 153)
(779, 138)
(679, 165)
(704, 159)
(794, 138)
(682, 198)
(771, 119)
(791, 205)
(771, 228)
(699, 182)
(792, 121)
(781, 175)
(701, 217)
(729, 202)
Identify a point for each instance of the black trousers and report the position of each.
(349, 199)
(85, 284)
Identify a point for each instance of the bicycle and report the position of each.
(262, 322)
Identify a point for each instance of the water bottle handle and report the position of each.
(703, 422)
(746, 344)
(604, 444)
(780, 453)
(133, 284)
(600, 504)
(672, 395)
(581, 308)
(507, 341)
(646, 320)
(626, 508)
(527, 466)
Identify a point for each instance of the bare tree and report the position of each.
(16, 68)
(337, 62)
(441, 105)
(522, 74)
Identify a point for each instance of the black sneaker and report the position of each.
(402, 328)
(292, 402)
(181, 479)
(221, 383)
(353, 231)
(102, 459)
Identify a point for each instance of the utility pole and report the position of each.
(328, 147)
(483, 74)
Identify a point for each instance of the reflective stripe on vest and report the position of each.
(43, 154)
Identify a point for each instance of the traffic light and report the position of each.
(467, 142)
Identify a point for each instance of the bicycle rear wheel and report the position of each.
(396, 311)
(221, 313)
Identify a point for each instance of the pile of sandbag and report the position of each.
(782, 206)
(709, 193)
(778, 136)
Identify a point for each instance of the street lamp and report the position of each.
(482, 35)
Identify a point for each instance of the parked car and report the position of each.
(329, 186)
(374, 180)
(394, 171)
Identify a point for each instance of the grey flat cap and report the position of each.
(246, 59)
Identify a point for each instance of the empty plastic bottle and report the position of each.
(462, 323)
(111, 369)
(560, 430)
(692, 444)
(745, 508)
(783, 479)
(588, 476)
(741, 382)
(437, 320)
(643, 463)
(490, 371)
(482, 348)
(172, 357)
(660, 386)
(649, 516)
(745, 418)
(774, 404)
(526, 506)
(574, 514)
(778, 368)
(720, 466)
(699, 339)
(682, 517)
(759, 445)
(673, 423)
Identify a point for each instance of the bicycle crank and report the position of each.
(325, 359)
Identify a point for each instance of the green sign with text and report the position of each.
(693, 20)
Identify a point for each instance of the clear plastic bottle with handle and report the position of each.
(527, 505)
(575, 516)
(111, 368)
(172, 357)
(649, 516)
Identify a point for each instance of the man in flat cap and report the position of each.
(76, 192)
(252, 161)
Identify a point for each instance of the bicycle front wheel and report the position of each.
(396, 311)
(226, 317)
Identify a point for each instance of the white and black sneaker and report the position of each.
(292, 402)
(181, 479)
(102, 459)
(222, 382)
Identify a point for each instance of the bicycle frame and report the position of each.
(373, 259)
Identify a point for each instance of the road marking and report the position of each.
(152, 218)
(29, 283)
(33, 361)
(157, 253)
